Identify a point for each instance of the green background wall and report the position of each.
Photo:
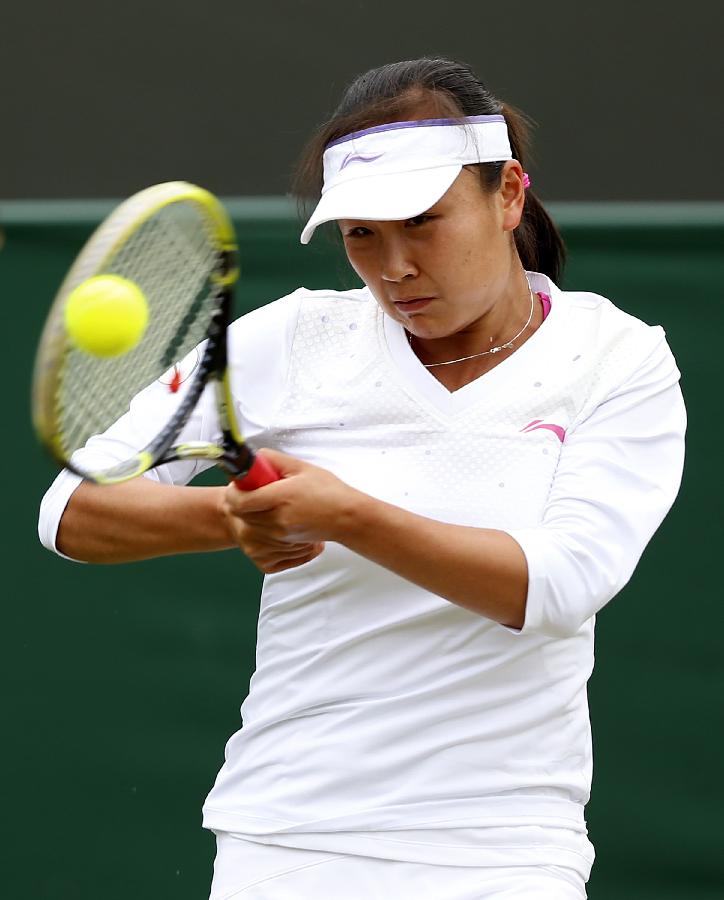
(122, 684)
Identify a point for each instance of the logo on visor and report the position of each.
(358, 157)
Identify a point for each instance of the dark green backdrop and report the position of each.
(122, 684)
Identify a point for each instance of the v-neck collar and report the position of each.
(423, 384)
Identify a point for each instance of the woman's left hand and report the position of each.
(285, 524)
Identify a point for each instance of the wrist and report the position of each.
(355, 514)
(221, 515)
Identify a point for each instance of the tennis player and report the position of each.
(473, 461)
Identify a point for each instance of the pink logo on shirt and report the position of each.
(559, 432)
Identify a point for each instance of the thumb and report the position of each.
(284, 464)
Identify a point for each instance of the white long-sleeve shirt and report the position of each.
(382, 719)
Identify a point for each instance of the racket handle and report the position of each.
(260, 473)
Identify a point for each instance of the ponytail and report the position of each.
(537, 239)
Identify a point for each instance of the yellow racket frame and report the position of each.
(101, 247)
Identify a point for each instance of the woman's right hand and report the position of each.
(286, 523)
(271, 555)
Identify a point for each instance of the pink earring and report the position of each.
(526, 180)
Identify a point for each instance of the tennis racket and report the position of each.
(176, 243)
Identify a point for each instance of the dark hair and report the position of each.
(434, 87)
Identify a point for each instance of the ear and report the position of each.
(512, 194)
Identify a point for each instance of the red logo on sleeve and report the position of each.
(181, 372)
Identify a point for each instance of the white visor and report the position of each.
(399, 170)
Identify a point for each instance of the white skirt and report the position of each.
(245, 870)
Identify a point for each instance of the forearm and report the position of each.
(141, 519)
(483, 570)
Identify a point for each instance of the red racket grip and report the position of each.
(260, 473)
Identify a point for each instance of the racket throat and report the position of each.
(238, 461)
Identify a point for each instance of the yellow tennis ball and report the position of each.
(106, 315)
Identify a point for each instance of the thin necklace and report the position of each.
(506, 346)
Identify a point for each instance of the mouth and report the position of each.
(414, 303)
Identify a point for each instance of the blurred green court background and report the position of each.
(122, 684)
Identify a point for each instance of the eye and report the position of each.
(357, 232)
(422, 219)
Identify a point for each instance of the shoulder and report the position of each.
(625, 366)
(278, 315)
(278, 328)
(595, 351)
(336, 304)
(593, 325)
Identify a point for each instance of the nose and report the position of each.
(396, 259)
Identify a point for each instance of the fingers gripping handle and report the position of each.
(260, 473)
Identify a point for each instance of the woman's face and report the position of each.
(441, 272)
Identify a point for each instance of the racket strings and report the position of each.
(171, 257)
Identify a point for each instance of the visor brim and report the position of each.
(385, 197)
